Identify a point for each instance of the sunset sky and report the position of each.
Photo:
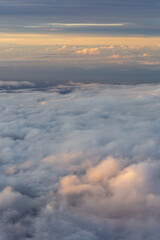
(71, 40)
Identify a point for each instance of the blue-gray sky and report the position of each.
(56, 41)
(140, 16)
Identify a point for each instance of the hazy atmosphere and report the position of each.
(51, 42)
(79, 120)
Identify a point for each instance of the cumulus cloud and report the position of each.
(88, 51)
(115, 56)
(111, 47)
(81, 165)
(143, 55)
(111, 191)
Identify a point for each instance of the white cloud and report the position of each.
(15, 84)
(84, 165)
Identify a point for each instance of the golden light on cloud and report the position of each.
(61, 49)
(115, 56)
(88, 51)
(68, 39)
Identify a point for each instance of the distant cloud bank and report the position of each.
(80, 162)
(15, 84)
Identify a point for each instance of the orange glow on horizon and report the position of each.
(67, 39)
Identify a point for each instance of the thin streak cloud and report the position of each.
(75, 25)
(86, 24)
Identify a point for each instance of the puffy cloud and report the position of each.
(144, 55)
(88, 51)
(115, 56)
(111, 47)
(10, 199)
(80, 162)
(16, 212)
(111, 191)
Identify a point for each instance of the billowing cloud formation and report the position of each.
(80, 162)
(111, 191)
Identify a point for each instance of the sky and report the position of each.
(50, 42)
(79, 120)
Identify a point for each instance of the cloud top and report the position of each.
(81, 165)
(15, 84)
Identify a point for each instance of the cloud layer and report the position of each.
(15, 84)
(80, 162)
